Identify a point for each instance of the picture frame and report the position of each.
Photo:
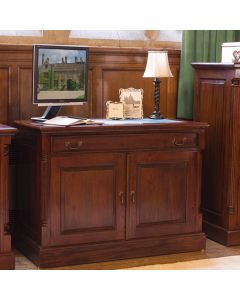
(132, 100)
(115, 110)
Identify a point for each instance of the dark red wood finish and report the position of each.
(217, 95)
(115, 192)
(7, 259)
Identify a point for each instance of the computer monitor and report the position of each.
(59, 77)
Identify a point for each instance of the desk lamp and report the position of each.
(157, 67)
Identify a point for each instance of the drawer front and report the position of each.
(123, 142)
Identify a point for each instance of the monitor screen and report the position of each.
(59, 75)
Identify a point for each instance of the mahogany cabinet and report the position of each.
(7, 259)
(217, 102)
(103, 192)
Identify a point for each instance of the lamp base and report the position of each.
(156, 115)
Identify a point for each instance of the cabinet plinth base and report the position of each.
(221, 235)
(7, 261)
(97, 252)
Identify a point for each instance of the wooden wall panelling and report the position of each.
(25, 93)
(109, 70)
(124, 68)
(11, 58)
(4, 90)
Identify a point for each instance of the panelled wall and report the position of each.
(109, 70)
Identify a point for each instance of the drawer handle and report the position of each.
(73, 146)
(180, 142)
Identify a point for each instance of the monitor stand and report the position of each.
(50, 112)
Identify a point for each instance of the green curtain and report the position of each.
(198, 46)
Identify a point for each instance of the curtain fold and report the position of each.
(198, 46)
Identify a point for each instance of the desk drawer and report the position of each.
(123, 142)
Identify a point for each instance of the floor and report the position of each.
(219, 263)
(213, 250)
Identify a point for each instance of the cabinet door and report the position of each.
(163, 193)
(87, 198)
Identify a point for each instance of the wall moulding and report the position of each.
(96, 38)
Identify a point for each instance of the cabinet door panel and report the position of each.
(95, 208)
(87, 195)
(163, 193)
(157, 187)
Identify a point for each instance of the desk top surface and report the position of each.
(115, 125)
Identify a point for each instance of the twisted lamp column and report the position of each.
(156, 113)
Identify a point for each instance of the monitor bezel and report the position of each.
(35, 72)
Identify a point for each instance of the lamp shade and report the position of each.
(157, 65)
